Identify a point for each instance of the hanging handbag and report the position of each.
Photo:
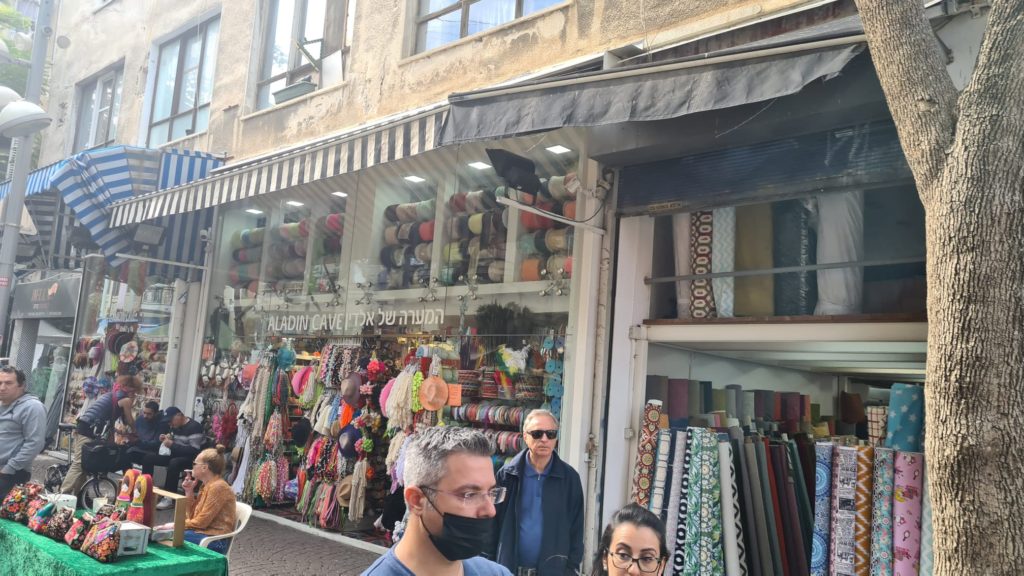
(76, 533)
(60, 523)
(35, 505)
(102, 541)
(39, 521)
(15, 504)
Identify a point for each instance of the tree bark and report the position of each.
(967, 154)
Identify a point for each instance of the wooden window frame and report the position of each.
(176, 113)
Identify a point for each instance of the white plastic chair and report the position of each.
(242, 513)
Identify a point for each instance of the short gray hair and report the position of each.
(540, 412)
(427, 455)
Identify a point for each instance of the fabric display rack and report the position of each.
(408, 245)
(545, 246)
(752, 500)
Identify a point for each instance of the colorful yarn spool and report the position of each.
(405, 233)
(457, 202)
(426, 231)
(569, 210)
(559, 240)
(335, 224)
(475, 222)
(530, 269)
(531, 221)
(391, 213)
(424, 251)
(391, 235)
(426, 209)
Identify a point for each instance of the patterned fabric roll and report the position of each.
(702, 298)
(908, 472)
(881, 517)
(844, 510)
(723, 251)
(862, 529)
(679, 472)
(906, 418)
(661, 471)
(732, 527)
(646, 453)
(679, 553)
(764, 543)
(684, 263)
(877, 417)
(704, 519)
(927, 535)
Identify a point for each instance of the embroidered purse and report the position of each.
(102, 541)
(59, 523)
(39, 521)
(15, 505)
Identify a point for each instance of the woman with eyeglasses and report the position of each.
(211, 511)
(633, 543)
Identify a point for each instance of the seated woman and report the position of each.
(211, 512)
(634, 536)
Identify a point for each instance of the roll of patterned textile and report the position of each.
(533, 243)
(426, 209)
(391, 235)
(481, 200)
(881, 514)
(927, 542)
(391, 213)
(862, 528)
(905, 428)
(877, 417)
(475, 223)
(844, 510)
(908, 486)
(644, 470)
(457, 203)
(704, 507)
(496, 271)
(456, 252)
(702, 297)
(532, 222)
(569, 210)
(424, 251)
(530, 269)
(559, 240)
(735, 553)
(409, 233)
(458, 227)
(794, 243)
(335, 224)
(426, 231)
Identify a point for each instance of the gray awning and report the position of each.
(645, 92)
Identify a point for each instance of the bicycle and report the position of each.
(97, 485)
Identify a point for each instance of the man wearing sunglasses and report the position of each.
(450, 493)
(540, 523)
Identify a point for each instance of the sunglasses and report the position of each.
(538, 434)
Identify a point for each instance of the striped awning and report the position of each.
(393, 138)
(38, 181)
(91, 182)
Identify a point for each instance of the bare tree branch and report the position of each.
(920, 93)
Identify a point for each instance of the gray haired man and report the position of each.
(22, 429)
(540, 523)
(450, 493)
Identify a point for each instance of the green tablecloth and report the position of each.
(26, 553)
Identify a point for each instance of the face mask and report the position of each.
(461, 537)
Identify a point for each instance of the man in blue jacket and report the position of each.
(540, 523)
(149, 427)
(22, 429)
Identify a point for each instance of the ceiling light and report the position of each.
(415, 179)
(340, 194)
(253, 211)
(558, 149)
(294, 203)
(479, 165)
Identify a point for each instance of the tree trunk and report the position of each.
(967, 154)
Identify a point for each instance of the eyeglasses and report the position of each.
(537, 434)
(474, 499)
(623, 561)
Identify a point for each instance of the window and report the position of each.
(442, 21)
(297, 35)
(99, 102)
(184, 84)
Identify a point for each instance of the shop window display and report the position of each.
(358, 311)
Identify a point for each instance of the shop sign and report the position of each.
(341, 322)
(47, 299)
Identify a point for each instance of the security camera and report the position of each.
(204, 235)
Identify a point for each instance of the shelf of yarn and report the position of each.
(407, 250)
(544, 246)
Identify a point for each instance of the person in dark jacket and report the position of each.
(97, 422)
(149, 427)
(540, 523)
(22, 429)
(185, 441)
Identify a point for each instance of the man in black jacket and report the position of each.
(185, 440)
(540, 523)
(150, 425)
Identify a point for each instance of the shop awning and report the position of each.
(91, 182)
(392, 138)
(38, 181)
(648, 91)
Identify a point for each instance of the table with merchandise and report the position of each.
(26, 553)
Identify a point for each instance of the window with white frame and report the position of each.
(297, 36)
(184, 84)
(440, 22)
(99, 100)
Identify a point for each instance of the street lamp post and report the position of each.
(21, 120)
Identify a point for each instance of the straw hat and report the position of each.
(433, 393)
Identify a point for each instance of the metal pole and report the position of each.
(16, 195)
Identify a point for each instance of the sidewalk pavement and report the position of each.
(267, 548)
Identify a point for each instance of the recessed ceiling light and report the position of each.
(253, 211)
(415, 179)
(294, 203)
(558, 149)
(340, 194)
(479, 165)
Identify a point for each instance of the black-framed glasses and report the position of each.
(646, 564)
(474, 498)
(537, 434)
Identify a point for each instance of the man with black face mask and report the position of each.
(450, 493)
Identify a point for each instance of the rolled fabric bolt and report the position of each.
(483, 272)
(476, 223)
(558, 240)
(458, 202)
(424, 251)
(532, 221)
(530, 269)
(304, 228)
(569, 210)
(556, 187)
(408, 212)
(489, 199)
(235, 242)
(453, 253)
(426, 231)
(425, 210)
(496, 271)
(391, 235)
(391, 213)
(405, 233)
(335, 224)
(256, 237)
